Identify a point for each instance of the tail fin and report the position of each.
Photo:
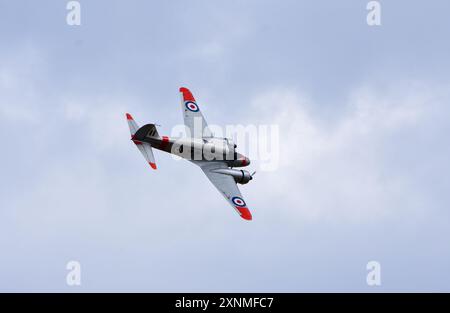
(144, 147)
(147, 133)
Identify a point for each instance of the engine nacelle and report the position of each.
(240, 176)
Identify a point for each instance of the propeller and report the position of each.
(251, 175)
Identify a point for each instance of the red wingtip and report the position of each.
(245, 213)
(129, 117)
(153, 165)
(187, 95)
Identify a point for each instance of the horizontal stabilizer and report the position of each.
(144, 147)
(132, 124)
(147, 152)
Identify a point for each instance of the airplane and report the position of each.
(217, 157)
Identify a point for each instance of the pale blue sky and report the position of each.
(363, 115)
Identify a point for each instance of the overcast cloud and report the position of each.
(363, 116)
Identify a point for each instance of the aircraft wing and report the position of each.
(193, 118)
(226, 186)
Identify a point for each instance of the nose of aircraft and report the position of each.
(242, 160)
(245, 161)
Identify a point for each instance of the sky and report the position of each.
(362, 175)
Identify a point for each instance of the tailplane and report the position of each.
(144, 147)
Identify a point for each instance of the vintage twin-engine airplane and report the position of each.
(215, 156)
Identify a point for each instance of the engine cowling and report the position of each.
(240, 176)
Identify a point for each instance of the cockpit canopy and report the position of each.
(231, 142)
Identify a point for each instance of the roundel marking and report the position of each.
(238, 201)
(191, 106)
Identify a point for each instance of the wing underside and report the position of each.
(226, 186)
(194, 121)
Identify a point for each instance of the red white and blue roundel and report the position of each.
(238, 201)
(191, 106)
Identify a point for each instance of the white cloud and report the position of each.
(78, 188)
(102, 117)
(339, 168)
(17, 89)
